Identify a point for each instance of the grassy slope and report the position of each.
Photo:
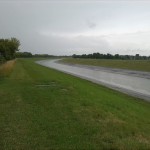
(70, 113)
(141, 65)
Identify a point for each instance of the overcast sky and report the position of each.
(66, 27)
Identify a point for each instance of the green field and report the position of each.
(140, 65)
(42, 109)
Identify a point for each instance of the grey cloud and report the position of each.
(91, 24)
(64, 22)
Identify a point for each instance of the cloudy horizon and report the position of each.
(77, 27)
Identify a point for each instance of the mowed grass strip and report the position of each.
(139, 65)
(41, 108)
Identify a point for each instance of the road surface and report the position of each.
(134, 83)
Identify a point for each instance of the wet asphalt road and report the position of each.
(134, 83)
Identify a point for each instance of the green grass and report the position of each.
(140, 65)
(67, 113)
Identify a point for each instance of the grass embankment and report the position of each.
(140, 65)
(41, 108)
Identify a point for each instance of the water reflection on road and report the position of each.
(132, 85)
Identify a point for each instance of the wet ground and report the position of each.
(134, 83)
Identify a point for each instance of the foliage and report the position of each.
(110, 56)
(29, 55)
(23, 54)
(45, 56)
(8, 47)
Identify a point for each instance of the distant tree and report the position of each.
(137, 56)
(23, 54)
(96, 55)
(45, 56)
(8, 48)
(2, 47)
(110, 56)
(116, 56)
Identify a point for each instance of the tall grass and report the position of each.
(6, 68)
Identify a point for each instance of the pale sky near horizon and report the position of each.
(66, 27)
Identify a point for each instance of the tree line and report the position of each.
(8, 48)
(110, 56)
(29, 55)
